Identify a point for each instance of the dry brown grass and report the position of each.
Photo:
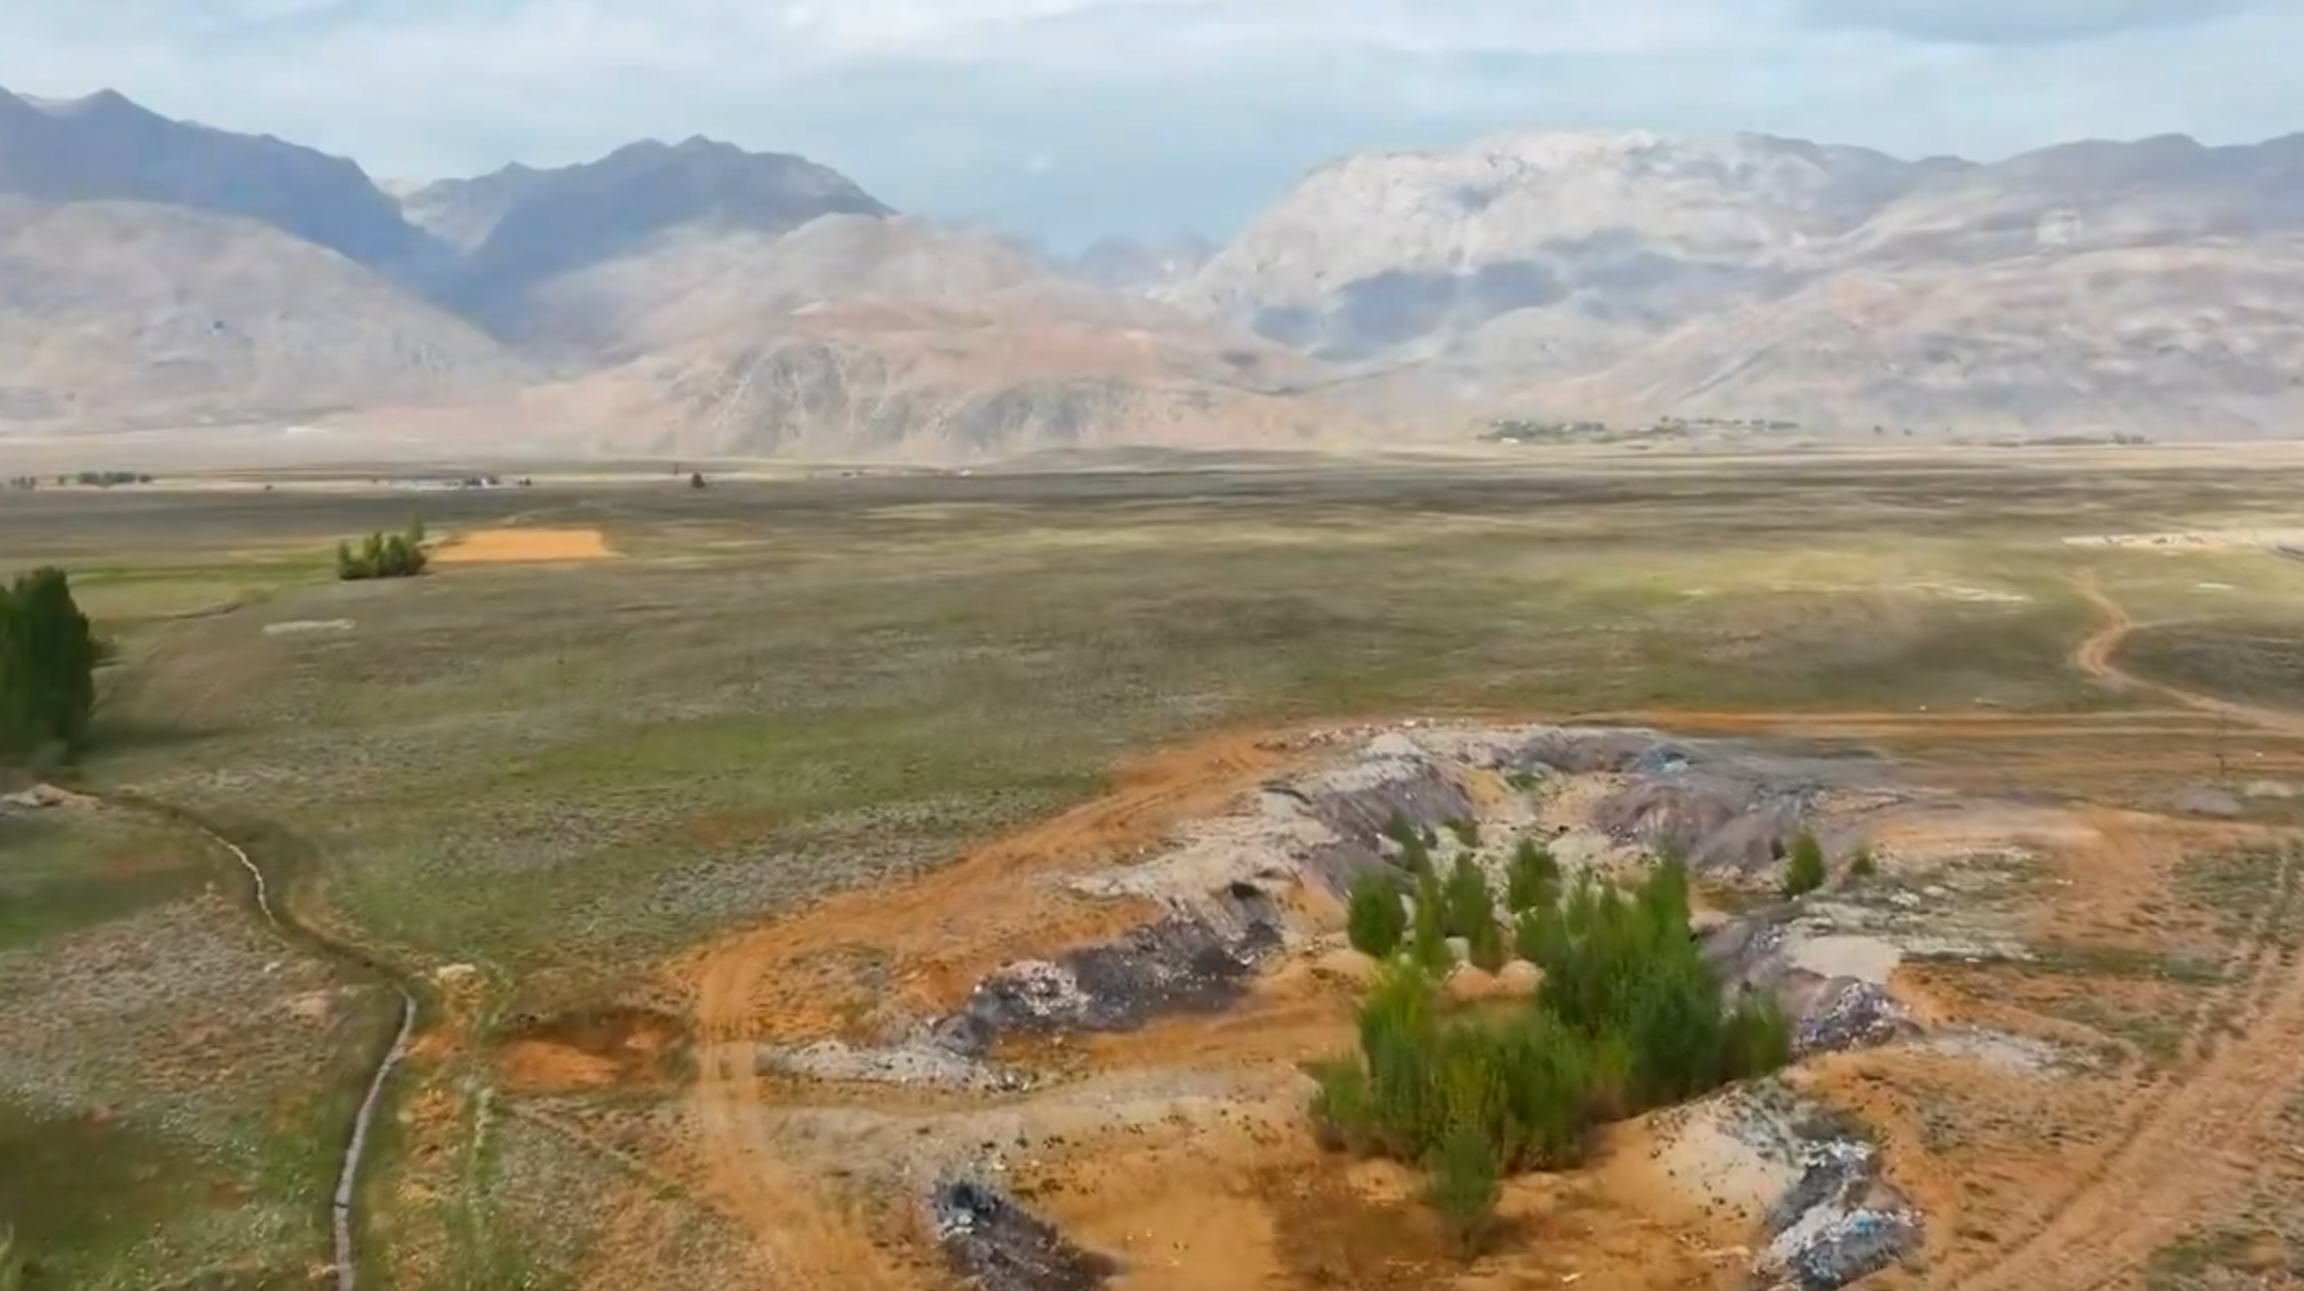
(518, 546)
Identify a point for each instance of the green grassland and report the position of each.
(562, 773)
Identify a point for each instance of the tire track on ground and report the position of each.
(2162, 1174)
(2158, 1181)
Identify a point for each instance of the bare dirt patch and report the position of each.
(522, 546)
(2035, 1104)
(593, 1049)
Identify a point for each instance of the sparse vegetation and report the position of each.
(1374, 918)
(1804, 868)
(1863, 864)
(1466, 831)
(898, 665)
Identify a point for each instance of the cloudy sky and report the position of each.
(1072, 117)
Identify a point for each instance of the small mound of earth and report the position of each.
(1197, 961)
(999, 1246)
(1827, 1212)
(1841, 1221)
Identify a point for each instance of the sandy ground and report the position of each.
(513, 546)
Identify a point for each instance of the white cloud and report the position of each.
(1164, 111)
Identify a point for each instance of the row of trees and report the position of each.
(86, 479)
(382, 555)
(1629, 1018)
(48, 659)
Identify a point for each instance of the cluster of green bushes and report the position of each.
(48, 659)
(381, 555)
(1459, 905)
(1629, 1018)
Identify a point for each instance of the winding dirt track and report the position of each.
(2156, 1181)
(2095, 657)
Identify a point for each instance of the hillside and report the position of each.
(565, 221)
(692, 294)
(2096, 286)
(871, 336)
(705, 297)
(124, 313)
(105, 148)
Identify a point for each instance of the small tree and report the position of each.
(1532, 879)
(1465, 1186)
(1428, 943)
(48, 659)
(1373, 916)
(382, 555)
(1472, 914)
(1804, 872)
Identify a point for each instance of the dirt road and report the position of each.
(2096, 656)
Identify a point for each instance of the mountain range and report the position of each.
(699, 299)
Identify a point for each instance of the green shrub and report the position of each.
(1428, 931)
(1401, 830)
(381, 555)
(1466, 897)
(1373, 916)
(1415, 853)
(1863, 865)
(1465, 1186)
(1466, 831)
(1471, 914)
(1532, 878)
(1758, 1039)
(48, 660)
(1629, 1018)
(1341, 1109)
(1804, 872)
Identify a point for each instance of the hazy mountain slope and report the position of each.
(863, 335)
(105, 148)
(2142, 286)
(463, 212)
(1387, 250)
(119, 312)
(564, 221)
(1131, 264)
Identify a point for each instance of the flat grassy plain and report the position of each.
(562, 774)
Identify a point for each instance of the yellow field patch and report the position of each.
(506, 546)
